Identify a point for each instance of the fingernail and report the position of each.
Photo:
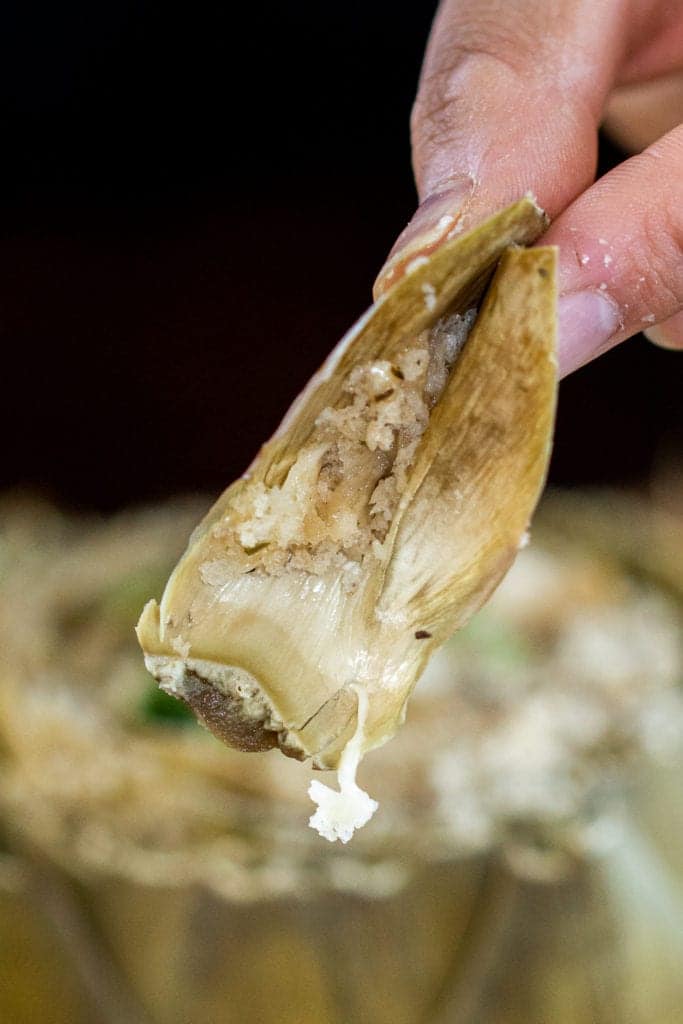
(437, 218)
(588, 321)
(668, 334)
(437, 213)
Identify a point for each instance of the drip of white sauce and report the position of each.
(341, 812)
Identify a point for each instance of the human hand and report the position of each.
(511, 96)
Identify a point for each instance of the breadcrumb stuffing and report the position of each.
(339, 498)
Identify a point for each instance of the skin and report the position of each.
(510, 99)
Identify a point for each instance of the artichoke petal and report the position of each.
(341, 559)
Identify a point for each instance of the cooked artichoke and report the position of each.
(380, 516)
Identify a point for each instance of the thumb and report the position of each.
(509, 102)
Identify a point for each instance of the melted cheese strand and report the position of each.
(341, 812)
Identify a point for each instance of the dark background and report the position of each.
(194, 202)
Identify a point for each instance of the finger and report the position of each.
(638, 115)
(656, 41)
(621, 253)
(509, 102)
(668, 334)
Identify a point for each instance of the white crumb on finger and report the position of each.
(419, 261)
